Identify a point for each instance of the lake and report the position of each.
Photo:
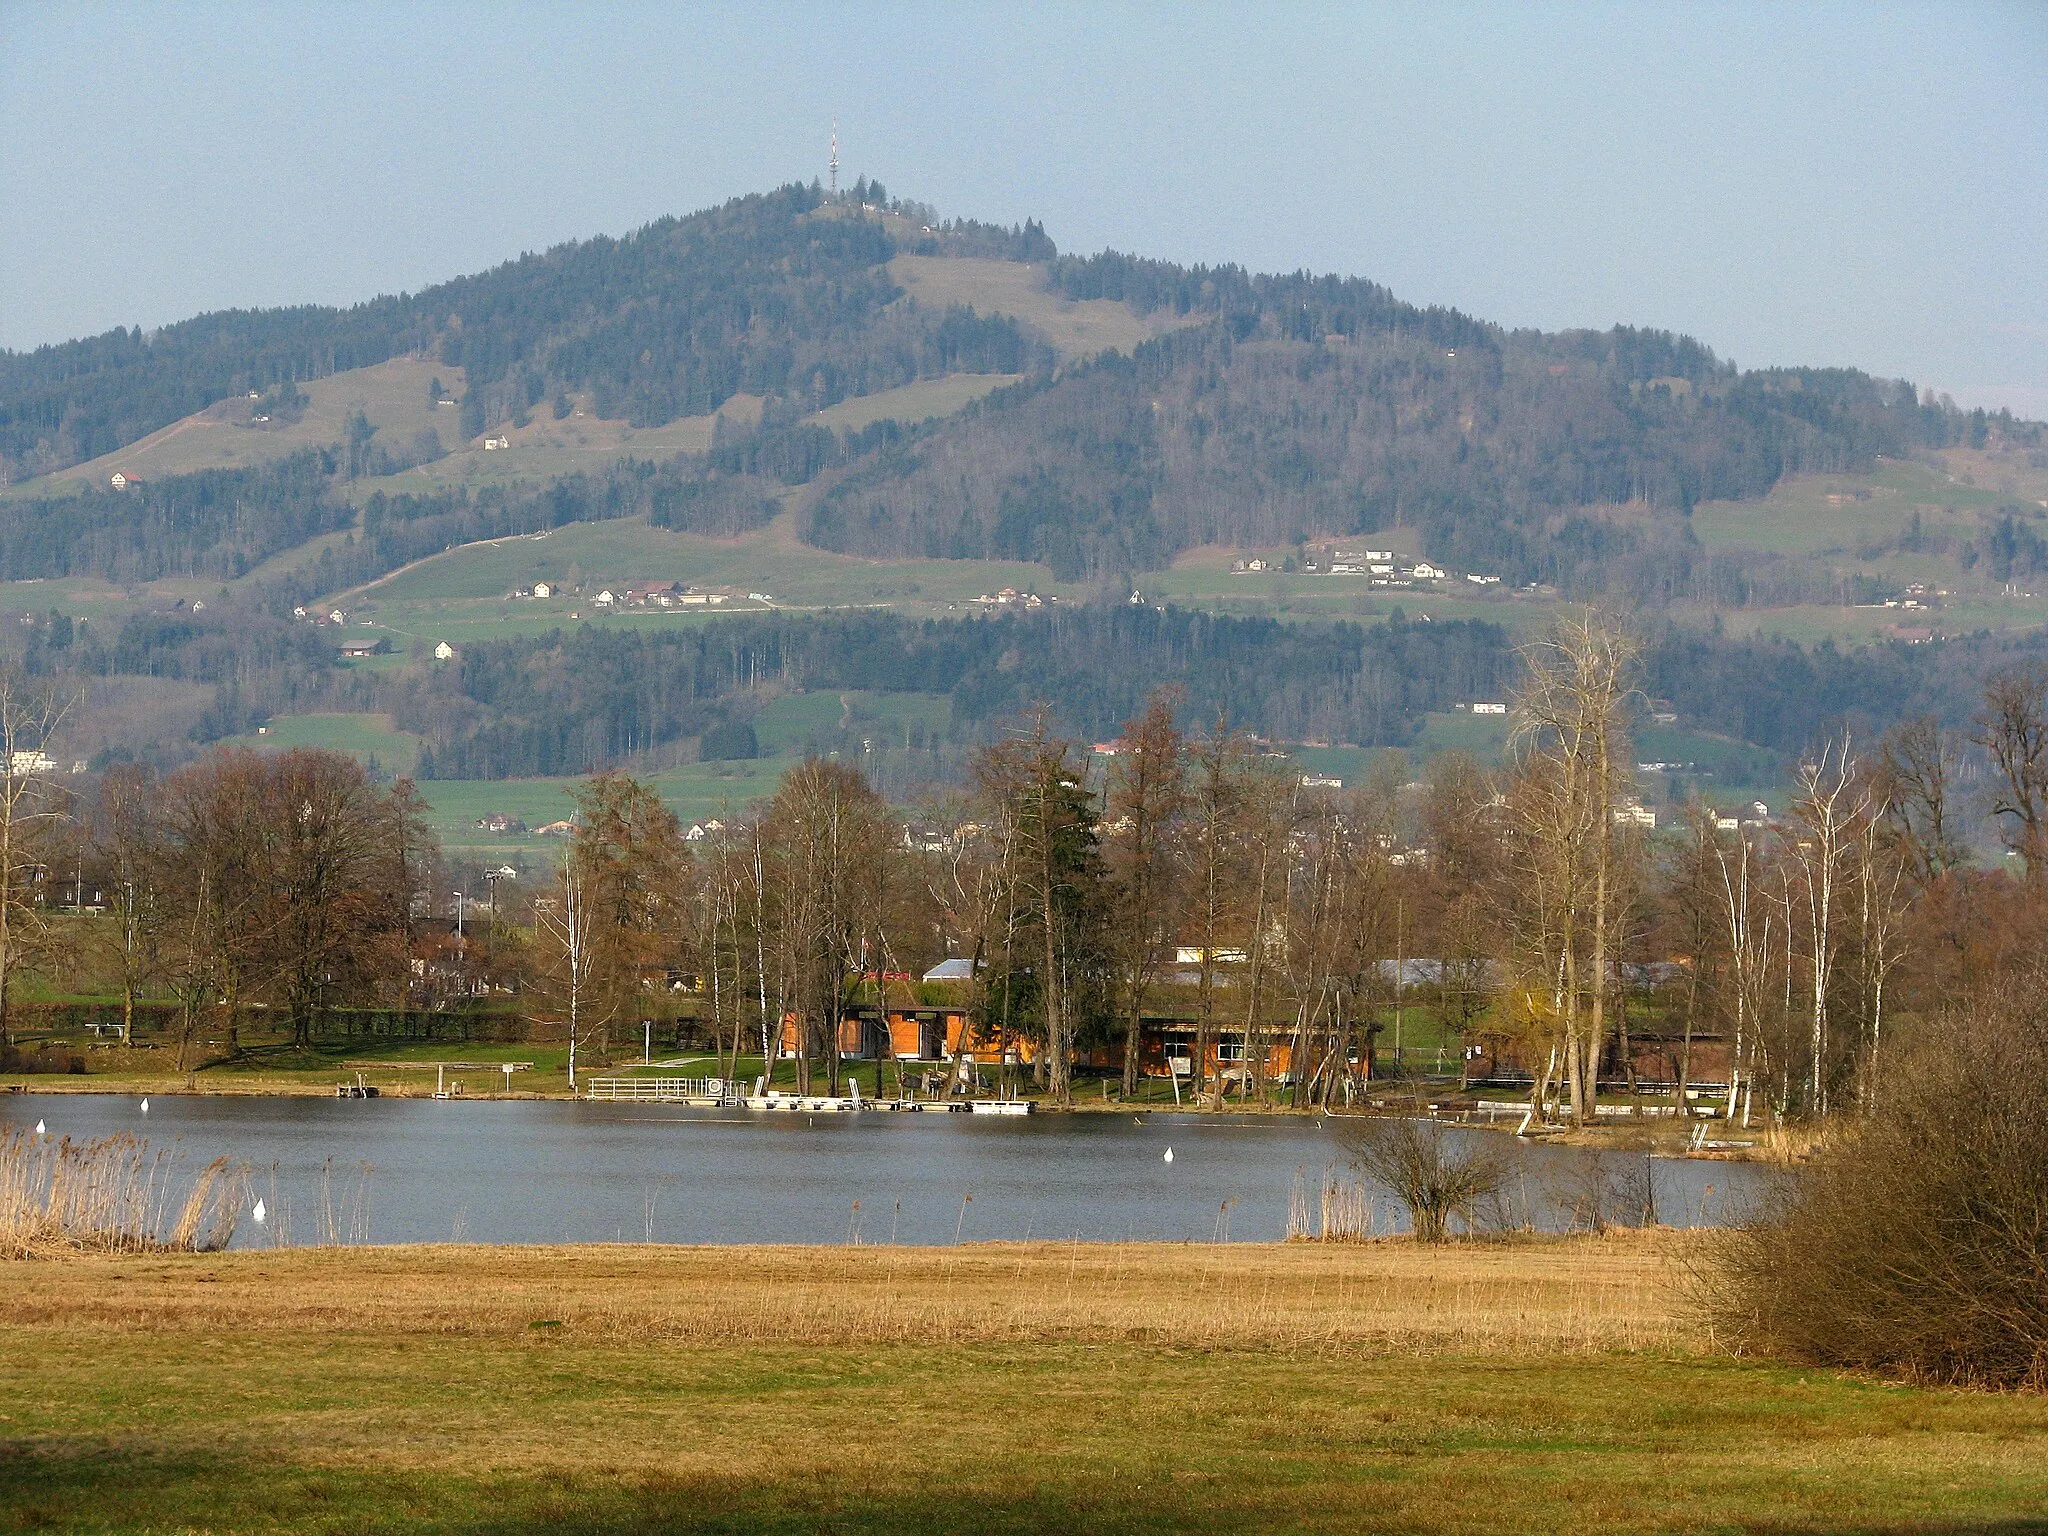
(553, 1171)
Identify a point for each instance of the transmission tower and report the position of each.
(834, 162)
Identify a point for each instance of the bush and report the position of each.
(1917, 1244)
(1439, 1174)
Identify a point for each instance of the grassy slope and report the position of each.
(1075, 327)
(916, 402)
(1099, 1388)
(392, 394)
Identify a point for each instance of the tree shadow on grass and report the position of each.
(104, 1489)
(107, 1490)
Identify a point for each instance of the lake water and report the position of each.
(539, 1171)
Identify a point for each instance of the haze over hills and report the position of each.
(855, 401)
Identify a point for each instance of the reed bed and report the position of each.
(110, 1195)
(1550, 1296)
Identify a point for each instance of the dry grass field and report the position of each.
(1554, 1386)
(1626, 1291)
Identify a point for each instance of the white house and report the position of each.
(605, 599)
(25, 764)
(1489, 709)
(1427, 572)
(543, 589)
(444, 651)
(123, 481)
(496, 442)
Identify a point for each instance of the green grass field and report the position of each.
(785, 728)
(462, 595)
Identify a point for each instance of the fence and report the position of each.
(658, 1090)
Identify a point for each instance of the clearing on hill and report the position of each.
(1075, 327)
(227, 435)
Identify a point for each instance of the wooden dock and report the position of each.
(714, 1092)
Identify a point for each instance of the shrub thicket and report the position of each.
(1918, 1244)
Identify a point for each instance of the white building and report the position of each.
(444, 651)
(543, 589)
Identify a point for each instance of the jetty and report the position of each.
(719, 1093)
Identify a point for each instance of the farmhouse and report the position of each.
(653, 594)
(124, 481)
(366, 646)
(444, 651)
(543, 589)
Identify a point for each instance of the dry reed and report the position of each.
(112, 1195)
(1548, 1296)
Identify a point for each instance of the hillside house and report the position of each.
(1427, 572)
(1489, 707)
(444, 652)
(367, 645)
(500, 822)
(605, 599)
(491, 443)
(122, 480)
(543, 589)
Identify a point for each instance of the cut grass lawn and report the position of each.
(1538, 1388)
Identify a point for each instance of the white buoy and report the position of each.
(258, 1213)
(145, 1106)
(1169, 1154)
(39, 1129)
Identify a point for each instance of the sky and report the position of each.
(1862, 185)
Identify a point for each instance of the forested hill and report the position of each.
(1316, 406)
(1273, 408)
(774, 294)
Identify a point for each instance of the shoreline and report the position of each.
(1662, 1138)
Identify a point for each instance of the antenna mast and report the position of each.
(834, 164)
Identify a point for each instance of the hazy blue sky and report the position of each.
(1861, 184)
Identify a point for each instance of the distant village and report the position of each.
(1379, 567)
